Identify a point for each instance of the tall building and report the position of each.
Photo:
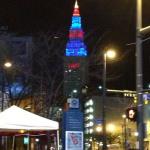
(75, 60)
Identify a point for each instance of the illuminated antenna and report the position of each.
(76, 4)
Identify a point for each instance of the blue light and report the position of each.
(76, 22)
(76, 47)
(16, 88)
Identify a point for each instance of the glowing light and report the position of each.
(37, 140)
(124, 116)
(101, 144)
(76, 48)
(90, 102)
(111, 54)
(22, 131)
(8, 64)
(76, 22)
(99, 129)
(90, 140)
(136, 133)
(73, 65)
(76, 5)
(91, 117)
(146, 102)
(100, 87)
(91, 130)
(111, 128)
(91, 109)
(60, 109)
(91, 124)
(149, 85)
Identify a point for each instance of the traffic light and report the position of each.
(132, 113)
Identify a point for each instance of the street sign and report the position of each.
(72, 130)
(73, 102)
(73, 120)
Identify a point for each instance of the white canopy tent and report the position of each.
(14, 119)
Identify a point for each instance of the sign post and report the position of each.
(72, 130)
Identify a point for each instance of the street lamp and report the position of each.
(111, 128)
(107, 54)
(6, 65)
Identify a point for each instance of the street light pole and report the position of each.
(139, 74)
(103, 103)
(110, 54)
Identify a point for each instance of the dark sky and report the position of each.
(113, 21)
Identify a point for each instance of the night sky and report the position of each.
(111, 21)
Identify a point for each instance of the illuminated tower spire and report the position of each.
(75, 45)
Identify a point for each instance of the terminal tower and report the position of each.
(75, 59)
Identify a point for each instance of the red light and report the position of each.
(76, 12)
(76, 34)
(73, 65)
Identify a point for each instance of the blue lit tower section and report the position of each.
(75, 60)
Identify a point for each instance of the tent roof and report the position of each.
(15, 118)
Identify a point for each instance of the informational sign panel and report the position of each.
(72, 131)
(73, 120)
(74, 140)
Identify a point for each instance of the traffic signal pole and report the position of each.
(139, 75)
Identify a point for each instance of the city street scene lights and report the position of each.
(110, 54)
(89, 116)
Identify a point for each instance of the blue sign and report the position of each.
(73, 120)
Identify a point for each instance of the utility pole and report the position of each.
(103, 104)
(110, 53)
(139, 75)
